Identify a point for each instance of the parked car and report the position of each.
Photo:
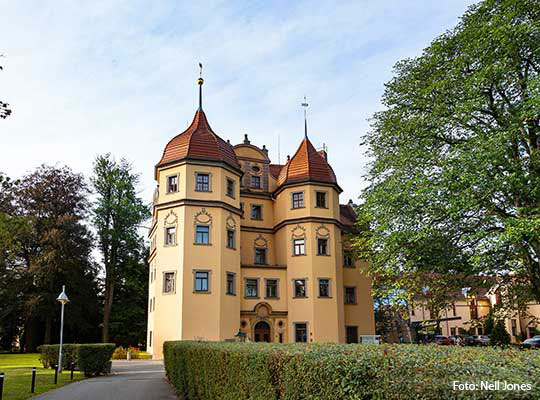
(532, 343)
(477, 340)
(457, 339)
(441, 340)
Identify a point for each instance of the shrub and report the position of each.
(210, 370)
(95, 359)
(120, 353)
(499, 336)
(49, 355)
(90, 358)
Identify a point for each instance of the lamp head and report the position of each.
(62, 297)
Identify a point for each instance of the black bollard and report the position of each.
(72, 368)
(1, 384)
(55, 374)
(32, 389)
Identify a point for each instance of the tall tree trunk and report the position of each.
(109, 292)
(48, 330)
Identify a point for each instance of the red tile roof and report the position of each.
(347, 215)
(306, 165)
(199, 142)
(275, 169)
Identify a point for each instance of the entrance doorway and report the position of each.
(262, 332)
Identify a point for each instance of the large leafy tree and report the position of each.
(455, 172)
(4, 107)
(118, 214)
(46, 244)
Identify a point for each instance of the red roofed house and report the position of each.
(240, 245)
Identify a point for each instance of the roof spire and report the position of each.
(305, 105)
(200, 81)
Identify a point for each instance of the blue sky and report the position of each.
(86, 78)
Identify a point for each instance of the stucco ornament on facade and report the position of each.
(322, 231)
(203, 217)
(261, 242)
(171, 218)
(298, 231)
(231, 223)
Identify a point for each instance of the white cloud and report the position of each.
(119, 76)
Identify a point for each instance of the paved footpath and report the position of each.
(133, 380)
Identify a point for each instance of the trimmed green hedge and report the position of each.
(211, 370)
(92, 359)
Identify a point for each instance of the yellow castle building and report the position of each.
(240, 245)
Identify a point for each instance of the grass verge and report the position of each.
(17, 369)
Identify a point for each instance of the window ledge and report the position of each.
(351, 304)
(170, 245)
(324, 297)
(202, 244)
(300, 297)
(203, 191)
(271, 298)
(299, 255)
(230, 294)
(324, 255)
(201, 292)
(251, 297)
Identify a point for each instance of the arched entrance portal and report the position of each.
(262, 332)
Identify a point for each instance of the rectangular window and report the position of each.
(298, 200)
(260, 256)
(271, 288)
(172, 184)
(252, 288)
(321, 200)
(203, 182)
(352, 334)
(202, 234)
(168, 282)
(231, 239)
(300, 332)
(230, 187)
(154, 304)
(150, 339)
(350, 295)
(255, 182)
(480, 330)
(453, 331)
(514, 327)
(348, 260)
(150, 305)
(324, 287)
(201, 281)
(242, 210)
(256, 211)
(299, 247)
(322, 247)
(231, 284)
(170, 235)
(299, 288)
(412, 310)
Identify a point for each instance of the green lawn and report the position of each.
(17, 369)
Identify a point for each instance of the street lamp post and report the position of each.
(63, 299)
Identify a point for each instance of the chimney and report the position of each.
(265, 150)
(324, 152)
(288, 158)
(246, 140)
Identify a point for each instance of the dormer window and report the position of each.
(255, 182)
